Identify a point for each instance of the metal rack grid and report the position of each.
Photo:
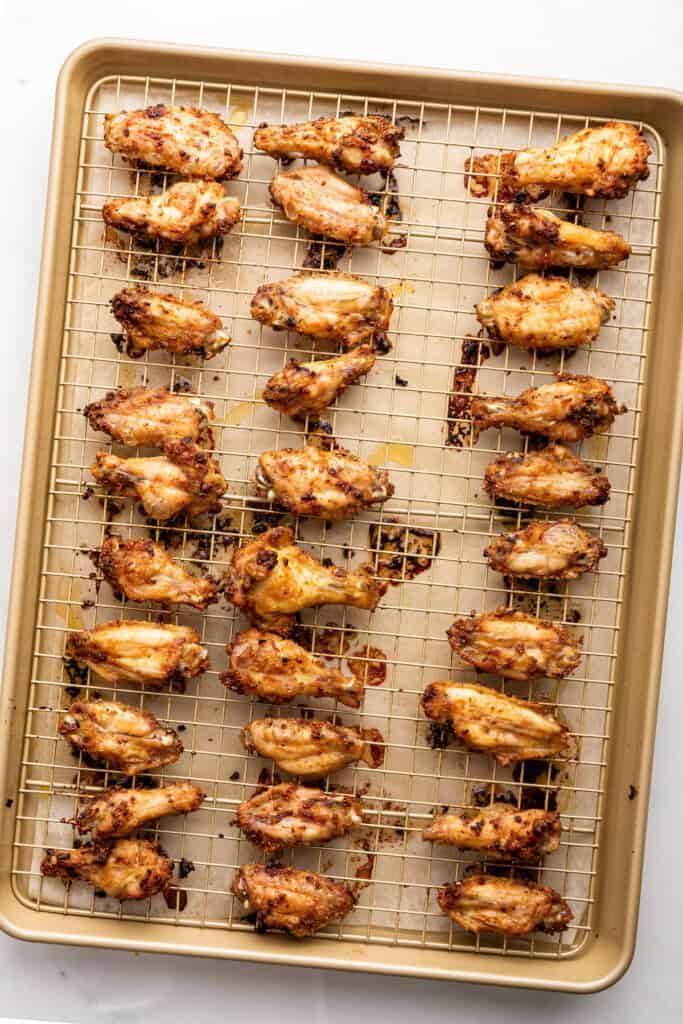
(398, 417)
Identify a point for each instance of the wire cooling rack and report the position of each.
(437, 269)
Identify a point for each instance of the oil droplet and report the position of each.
(70, 614)
(239, 413)
(402, 288)
(126, 376)
(596, 446)
(239, 115)
(401, 454)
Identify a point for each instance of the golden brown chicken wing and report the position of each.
(278, 670)
(323, 203)
(550, 478)
(131, 869)
(489, 722)
(272, 579)
(121, 810)
(312, 749)
(292, 815)
(126, 738)
(538, 239)
(298, 902)
(131, 651)
(353, 143)
(144, 571)
(187, 213)
(152, 320)
(500, 832)
(490, 903)
(544, 313)
(560, 550)
(306, 389)
(186, 140)
(151, 416)
(514, 644)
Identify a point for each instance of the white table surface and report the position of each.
(607, 41)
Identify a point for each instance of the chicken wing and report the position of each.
(187, 213)
(490, 903)
(123, 737)
(298, 902)
(353, 143)
(131, 869)
(184, 479)
(278, 670)
(332, 306)
(559, 550)
(272, 579)
(152, 321)
(313, 482)
(323, 203)
(544, 313)
(490, 723)
(144, 571)
(185, 140)
(120, 810)
(150, 416)
(130, 651)
(312, 749)
(514, 644)
(500, 832)
(538, 239)
(306, 389)
(550, 478)
(293, 815)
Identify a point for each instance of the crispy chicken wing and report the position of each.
(544, 313)
(489, 722)
(144, 571)
(550, 478)
(490, 903)
(186, 140)
(150, 416)
(560, 550)
(278, 670)
(323, 203)
(187, 213)
(332, 306)
(538, 239)
(312, 749)
(152, 320)
(272, 579)
(120, 810)
(293, 815)
(126, 738)
(131, 651)
(306, 389)
(499, 832)
(298, 902)
(351, 143)
(514, 644)
(131, 869)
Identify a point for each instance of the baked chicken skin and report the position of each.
(504, 906)
(500, 832)
(121, 810)
(488, 722)
(152, 320)
(311, 749)
(144, 571)
(552, 477)
(514, 644)
(353, 143)
(306, 389)
(324, 204)
(544, 313)
(151, 416)
(537, 239)
(311, 481)
(130, 869)
(123, 737)
(328, 305)
(292, 815)
(131, 651)
(290, 900)
(277, 670)
(272, 579)
(187, 213)
(185, 140)
(546, 550)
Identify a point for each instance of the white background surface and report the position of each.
(607, 41)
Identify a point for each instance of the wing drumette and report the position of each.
(144, 571)
(131, 869)
(152, 321)
(293, 815)
(306, 389)
(489, 903)
(500, 832)
(323, 203)
(186, 213)
(123, 737)
(298, 902)
(514, 644)
(550, 478)
(353, 143)
(559, 550)
(151, 416)
(121, 810)
(312, 749)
